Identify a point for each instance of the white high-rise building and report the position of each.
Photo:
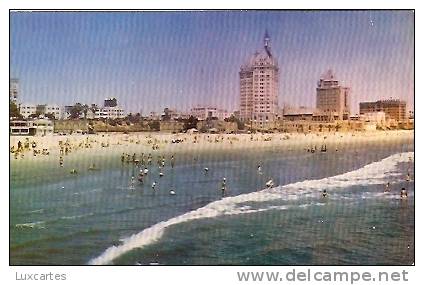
(259, 86)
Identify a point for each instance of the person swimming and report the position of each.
(206, 170)
(172, 192)
(259, 169)
(403, 193)
(324, 193)
(154, 185)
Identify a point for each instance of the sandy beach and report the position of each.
(165, 142)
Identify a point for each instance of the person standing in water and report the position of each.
(132, 182)
(387, 187)
(224, 186)
(172, 161)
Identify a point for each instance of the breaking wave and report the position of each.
(371, 174)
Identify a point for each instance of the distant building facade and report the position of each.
(378, 118)
(43, 126)
(203, 113)
(298, 114)
(109, 113)
(333, 99)
(21, 128)
(110, 102)
(259, 87)
(27, 110)
(169, 114)
(40, 127)
(394, 109)
(13, 89)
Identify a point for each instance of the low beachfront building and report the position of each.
(21, 128)
(43, 126)
(109, 113)
(393, 108)
(203, 113)
(26, 110)
(40, 126)
(377, 118)
(298, 114)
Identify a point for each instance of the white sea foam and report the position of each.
(36, 211)
(372, 174)
(76, 216)
(36, 225)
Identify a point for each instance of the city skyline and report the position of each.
(153, 60)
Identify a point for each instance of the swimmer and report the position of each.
(172, 192)
(324, 193)
(154, 185)
(403, 193)
(206, 170)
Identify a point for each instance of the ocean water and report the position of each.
(95, 217)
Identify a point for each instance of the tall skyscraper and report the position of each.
(13, 89)
(332, 99)
(259, 86)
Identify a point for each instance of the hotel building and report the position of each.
(394, 109)
(259, 87)
(332, 98)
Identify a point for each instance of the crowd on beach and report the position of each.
(60, 146)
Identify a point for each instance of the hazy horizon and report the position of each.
(153, 60)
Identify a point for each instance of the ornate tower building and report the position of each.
(259, 86)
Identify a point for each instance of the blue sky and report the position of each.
(152, 60)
